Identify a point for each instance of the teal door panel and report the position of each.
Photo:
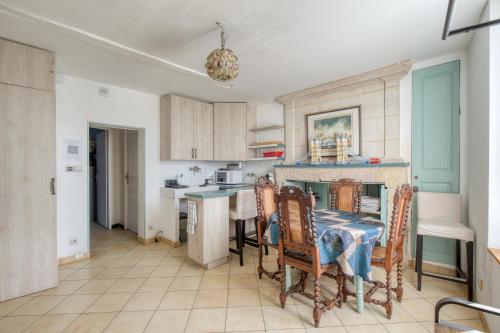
(436, 143)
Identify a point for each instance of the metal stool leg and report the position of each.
(239, 240)
(418, 264)
(459, 258)
(470, 270)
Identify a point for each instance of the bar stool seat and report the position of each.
(245, 208)
(439, 215)
(444, 228)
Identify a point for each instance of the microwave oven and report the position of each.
(229, 177)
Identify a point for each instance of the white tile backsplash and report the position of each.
(174, 169)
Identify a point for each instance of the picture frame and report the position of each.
(324, 126)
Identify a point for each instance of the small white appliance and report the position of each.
(229, 177)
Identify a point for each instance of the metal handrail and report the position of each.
(464, 303)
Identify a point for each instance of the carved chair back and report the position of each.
(297, 222)
(399, 219)
(267, 201)
(346, 195)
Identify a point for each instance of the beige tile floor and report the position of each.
(128, 287)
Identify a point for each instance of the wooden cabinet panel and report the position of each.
(26, 66)
(203, 131)
(176, 128)
(28, 256)
(230, 131)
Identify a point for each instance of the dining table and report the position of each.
(347, 239)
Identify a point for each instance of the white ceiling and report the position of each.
(283, 45)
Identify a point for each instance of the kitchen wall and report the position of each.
(267, 114)
(78, 104)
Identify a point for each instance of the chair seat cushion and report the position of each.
(378, 255)
(243, 215)
(444, 228)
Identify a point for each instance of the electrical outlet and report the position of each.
(73, 241)
(78, 255)
(480, 283)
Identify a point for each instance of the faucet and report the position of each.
(195, 169)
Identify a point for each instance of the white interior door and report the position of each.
(101, 162)
(28, 229)
(132, 180)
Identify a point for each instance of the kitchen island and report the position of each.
(208, 246)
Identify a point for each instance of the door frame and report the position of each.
(407, 123)
(141, 153)
(106, 153)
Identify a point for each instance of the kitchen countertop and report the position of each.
(219, 193)
(348, 165)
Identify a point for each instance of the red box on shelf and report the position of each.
(276, 153)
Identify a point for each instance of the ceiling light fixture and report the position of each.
(222, 65)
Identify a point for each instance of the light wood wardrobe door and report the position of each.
(26, 66)
(28, 231)
(204, 131)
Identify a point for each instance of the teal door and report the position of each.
(436, 143)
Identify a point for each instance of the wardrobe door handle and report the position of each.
(53, 186)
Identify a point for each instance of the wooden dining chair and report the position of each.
(391, 255)
(298, 249)
(267, 202)
(346, 195)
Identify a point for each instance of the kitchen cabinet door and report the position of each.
(176, 128)
(203, 131)
(230, 131)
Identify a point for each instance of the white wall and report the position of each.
(478, 143)
(77, 104)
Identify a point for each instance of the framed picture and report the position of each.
(327, 126)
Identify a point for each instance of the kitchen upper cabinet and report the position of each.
(26, 66)
(186, 129)
(230, 131)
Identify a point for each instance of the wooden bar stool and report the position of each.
(246, 208)
(439, 216)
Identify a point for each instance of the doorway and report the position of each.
(114, 178)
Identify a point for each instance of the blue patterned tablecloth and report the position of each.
(343, 237)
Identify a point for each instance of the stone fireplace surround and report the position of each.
(376, 92)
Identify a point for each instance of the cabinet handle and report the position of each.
(192, 152)
(196, 153)
(53, 186)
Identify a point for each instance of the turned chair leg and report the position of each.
(260, 262)
(303, 280)
(399, 289)
(317, 303)
(282, 285)
(340, 285)
(388, 292)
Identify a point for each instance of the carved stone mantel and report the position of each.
(376, 93)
